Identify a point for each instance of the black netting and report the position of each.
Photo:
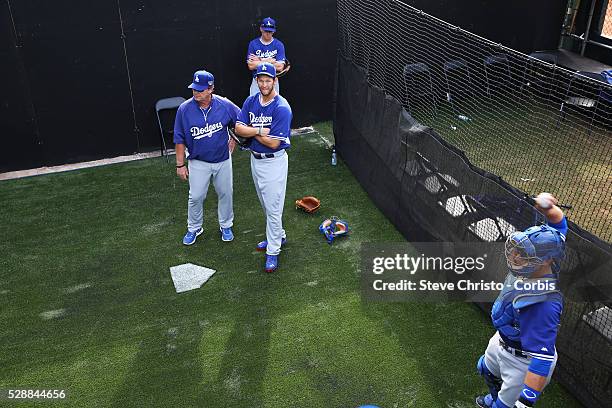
(539, 126)
(441, 181)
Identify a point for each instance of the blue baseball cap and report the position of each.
(202, 80)
(265, 68)
(268, 24)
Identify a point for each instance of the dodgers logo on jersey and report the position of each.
(206, 131)
(260, 120)
(266, 54)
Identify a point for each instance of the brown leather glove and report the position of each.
(309, 204)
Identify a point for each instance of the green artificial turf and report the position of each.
(87, 303)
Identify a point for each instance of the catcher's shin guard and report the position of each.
(494, 383)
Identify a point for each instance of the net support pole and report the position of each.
(588, 28)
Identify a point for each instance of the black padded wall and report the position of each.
(20, 142)
(80, 79)
(76, 73)
(168, 41)
(523, 25)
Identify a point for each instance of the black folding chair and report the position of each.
(584, 94)
(420, 95)
(545, 56)
(540, 70)
(497, 74)
(459, 87)
(162, 105)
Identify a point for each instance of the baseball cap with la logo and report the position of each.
(268, 24)
(202, 80)
(265, 68)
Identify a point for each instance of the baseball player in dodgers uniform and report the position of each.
(265, 49)
(266, 117)
(521, 356)
(201, 136)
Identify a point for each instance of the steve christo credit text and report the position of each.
(462, 285)
(427, 285)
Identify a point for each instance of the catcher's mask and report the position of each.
(332, 228)
(527, 251)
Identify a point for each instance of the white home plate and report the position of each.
(189, 276)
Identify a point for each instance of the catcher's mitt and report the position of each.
(309, 204)
(243, 142)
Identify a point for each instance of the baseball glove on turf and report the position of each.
(309, 204)
(243, 142)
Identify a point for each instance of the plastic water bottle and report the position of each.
(334, 160)
(464, 118)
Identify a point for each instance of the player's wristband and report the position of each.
(529, 396)
(182, 165)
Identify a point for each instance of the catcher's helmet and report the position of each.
(527, 251)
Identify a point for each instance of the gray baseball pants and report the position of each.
(270, 178)
(200, 174)
(510, 368)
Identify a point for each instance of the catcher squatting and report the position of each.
(521, 356)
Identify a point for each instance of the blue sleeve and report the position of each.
(243, 115)
(561, 226)
(281, 127)
(179, 132)
(280, 56)
(233, 111)
(539, 325)
(250, 49)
